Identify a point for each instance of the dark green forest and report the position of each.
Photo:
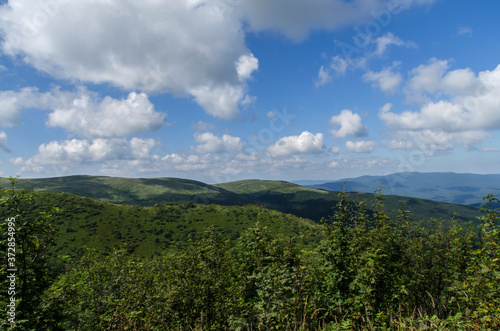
(210, 267)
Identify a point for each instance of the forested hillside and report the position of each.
(283, 196)
(246, 268)
(88, 223)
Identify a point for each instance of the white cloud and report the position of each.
(270, 114)
(427, 77)
(334, 164)
(3, 142)
(434, 77)
(104, 42)
(335, 149)
(90, 117)
(13, 102)
(469, 107)
(305, 143)
(219, 101)
(324, 77)
(360, 146)
(141, 148)
(77, 152)
(17, 161)
(339, 65)
(350, 124)
(472, 109)
(210, 143)
(387, 80)
(246, 65)
(382, 43)
(83, 112)
(296, 18)
(399, 144)
(432, 140)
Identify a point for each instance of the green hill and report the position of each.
(277, 195)
(315, 203)
(145, 231)
(134, 191)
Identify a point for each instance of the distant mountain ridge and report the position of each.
(458, 188)
(282, 196)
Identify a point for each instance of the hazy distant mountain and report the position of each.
(467, 189)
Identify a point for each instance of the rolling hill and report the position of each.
(146, 231)
(282, 196)
(136, 191)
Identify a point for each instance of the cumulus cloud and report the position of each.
(305, 143)
(13, 103)
(246, 65)
(360, 146)
(432, 140)
(296, 19)
(469, 107)
(387, 80)
(224, 167)
(104, 42)
(83, 112)
(210, 143)
(350, 124)
(82, 151)
(434, 77)
(89, 117)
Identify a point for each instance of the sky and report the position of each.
(223, 90)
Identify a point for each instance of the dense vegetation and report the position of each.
(365, 271)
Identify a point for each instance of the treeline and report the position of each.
(368, 272)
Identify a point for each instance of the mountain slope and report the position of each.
(316, 203)
(277, 195)
(89, 223)
(467, 189)
(133, 191)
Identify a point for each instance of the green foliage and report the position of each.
(26, 252)
(147, 231)
(212, 267)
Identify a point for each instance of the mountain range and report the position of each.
(466, 189)
(286, 197)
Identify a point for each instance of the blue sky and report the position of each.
(222, 90)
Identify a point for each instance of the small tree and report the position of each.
(33, 235)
